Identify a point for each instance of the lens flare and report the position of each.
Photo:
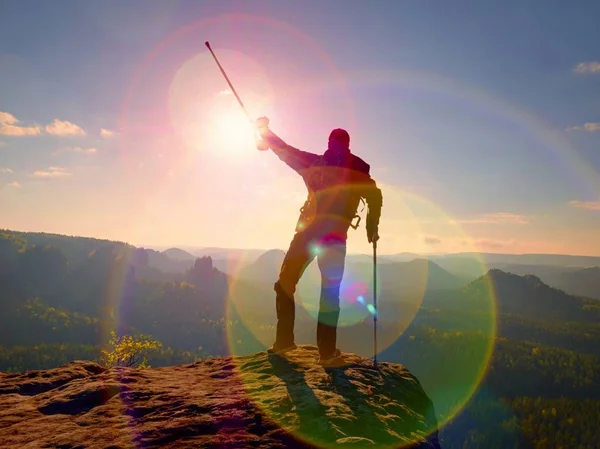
(204, 111)
(410, 296)
(449, 358)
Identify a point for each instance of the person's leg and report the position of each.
(295, 262)
(331, 263)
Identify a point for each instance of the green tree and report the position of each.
(128, 350)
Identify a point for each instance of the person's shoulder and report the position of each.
(360, 165)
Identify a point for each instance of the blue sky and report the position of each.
(480, 121)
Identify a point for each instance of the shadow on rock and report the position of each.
(311, 413)
(380, 420)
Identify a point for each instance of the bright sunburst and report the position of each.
(203, 110)
(229, 129)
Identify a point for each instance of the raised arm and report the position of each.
(293, 157)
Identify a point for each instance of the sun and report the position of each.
(204, 112)
(230, 130)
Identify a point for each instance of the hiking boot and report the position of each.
(279, 350)
(332, 360)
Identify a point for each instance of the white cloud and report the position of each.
(51, 172)
(589, 205)
(76, 150)
(587, 67)
(9, 119)
(226, 92)
(64, 128)
(14, 184)
(106, 133)
(10, 126)
(5, 170)
(495, 218)
(590, 127)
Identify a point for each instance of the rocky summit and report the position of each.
(230, 402)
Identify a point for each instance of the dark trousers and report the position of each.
(330, 254)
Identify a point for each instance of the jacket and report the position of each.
(336, 183)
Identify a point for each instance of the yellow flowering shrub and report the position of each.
(128, 350)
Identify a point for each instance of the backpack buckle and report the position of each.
(355, 226)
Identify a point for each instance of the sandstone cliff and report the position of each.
(231, 402)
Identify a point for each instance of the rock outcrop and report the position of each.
(230, 402)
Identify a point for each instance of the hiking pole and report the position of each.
(375, 303)
(228, 82)
(259, 143)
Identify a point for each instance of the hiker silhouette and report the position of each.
(337, 181)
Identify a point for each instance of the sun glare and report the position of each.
(203, 110)
(231, 131)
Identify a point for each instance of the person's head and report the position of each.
(339, 141)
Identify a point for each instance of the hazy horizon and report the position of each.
(481, 126)
(188, 248)
(432, 253)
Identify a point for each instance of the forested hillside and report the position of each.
(61, 296)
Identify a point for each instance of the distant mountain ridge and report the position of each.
(417, 274)
(216, 252)
(584, 282)
(574, 280)
(575, 274)
(178, 254)
(421, 273)
(529, 296)
(533, 259)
